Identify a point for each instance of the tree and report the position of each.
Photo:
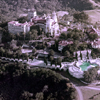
(12, 36)
(59, 60)
(92, 53)
(56, 45)
(2, 51)
(70, 34)
(34, 34)
(45, 60)
(75, 45)
(51, 52)
(6, 51)
(26, 55)
(30, 34)
(51, 59)
(55, 63)
(40, 30)
(76, 56)
(34, 51)
(11, 69)
(44, 47)
(19, 53)
(87, 55)
(39, 96)
(81, 55)
(90, 75)
(80, 17)
(10, 53)
(26, 95)
(67, 53)
(93, 36)
(76, 36)
(63, 36)
(83, 46)
(24, 35)
(18, 36)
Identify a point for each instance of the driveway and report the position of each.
(93, 88)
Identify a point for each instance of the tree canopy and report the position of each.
(37, 83)
(80, 17)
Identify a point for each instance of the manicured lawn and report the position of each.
(89, 94)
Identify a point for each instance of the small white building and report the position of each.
(63, 44)
(16, 27)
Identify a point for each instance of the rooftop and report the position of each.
(65, 43)
(16, 23)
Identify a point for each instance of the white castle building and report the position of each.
(49, 23)
(16, 27)
(52, 24)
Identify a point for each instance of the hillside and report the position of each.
(10, 9)
(93, 15)
(18, 83)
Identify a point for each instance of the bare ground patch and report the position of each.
(89, 94)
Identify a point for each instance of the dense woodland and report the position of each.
(19, 83)
(9, 9)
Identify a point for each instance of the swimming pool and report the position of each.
(85, 65)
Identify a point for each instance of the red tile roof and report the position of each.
(65, 43)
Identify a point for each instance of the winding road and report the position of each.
(80, 95)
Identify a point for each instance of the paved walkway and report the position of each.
(93, 88)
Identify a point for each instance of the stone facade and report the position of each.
(49, 23)
(16, 27)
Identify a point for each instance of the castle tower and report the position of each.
(54, 16)
(48, 24)
(31, 14)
